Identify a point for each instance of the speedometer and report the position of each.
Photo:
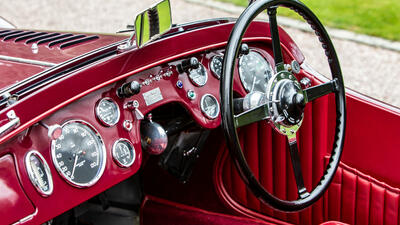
(254, 72)
(79, 154)
(198, 76)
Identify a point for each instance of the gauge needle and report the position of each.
(254, 82)
(73, 169)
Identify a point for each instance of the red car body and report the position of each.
(60, 83)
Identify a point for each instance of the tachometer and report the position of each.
(107, 112)
(198, 76)
(79, 154)
(254, 72)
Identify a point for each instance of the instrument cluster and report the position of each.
(81, 148)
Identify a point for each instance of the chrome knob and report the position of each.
(53, 131)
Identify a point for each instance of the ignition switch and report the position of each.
(191, 63)
(128, 89)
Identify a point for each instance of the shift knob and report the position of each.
(128, 89)
(153, 137)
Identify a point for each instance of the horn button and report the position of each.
(286, 102)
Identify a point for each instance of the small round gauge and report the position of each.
(216, 65)
(123, 153)
(79, 153)
(209, 106)
(107, 112)
(39, 173)
(254, 72)
(198, 76)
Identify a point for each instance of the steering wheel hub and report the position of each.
(287, 102)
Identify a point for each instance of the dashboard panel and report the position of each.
(101, 132)
(79, 86)
(100, 143)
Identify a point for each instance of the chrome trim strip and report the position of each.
(28, 61)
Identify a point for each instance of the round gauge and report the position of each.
(198, 76)
(209, 106)
(39, 173)
(123, 153)
(216, 65)
(107, 112)
(254, 72)
(79, 154)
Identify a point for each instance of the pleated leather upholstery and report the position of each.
(353, 197)
(356, 198)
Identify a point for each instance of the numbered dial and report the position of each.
(79, 154)
(123, 153)
(209, 106)
(254, 72)
(216, 65)
(39, 173)
(198, 76)
(107, 112)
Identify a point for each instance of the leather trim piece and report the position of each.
(363, 199)
(352, 198)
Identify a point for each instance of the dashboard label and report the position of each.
(152, 96)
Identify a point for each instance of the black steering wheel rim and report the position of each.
(227, 111)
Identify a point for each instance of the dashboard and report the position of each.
(88, 143)
(98, 136)
(86, 130)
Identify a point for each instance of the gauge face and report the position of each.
(216, 65)
(79, 154)
(254, 72)
(209, 106)
(123, 153)
(107, 112)
(198, 76)
(39, 173)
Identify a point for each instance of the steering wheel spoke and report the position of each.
(276, 43)
(318, 91)
(251, 116)
(298, 174)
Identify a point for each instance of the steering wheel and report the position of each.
(284, 104)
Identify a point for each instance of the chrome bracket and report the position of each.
(13, 121)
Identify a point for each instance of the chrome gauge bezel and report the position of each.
(241, 76)
(216, 75)
(203, 68)
(97, 113)
(115, 156)
(32, 176)
(102, 150)
(204, 111)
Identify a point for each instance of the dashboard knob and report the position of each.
(191, 63)
(128, 89)
(53, 131)
(244, 49)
